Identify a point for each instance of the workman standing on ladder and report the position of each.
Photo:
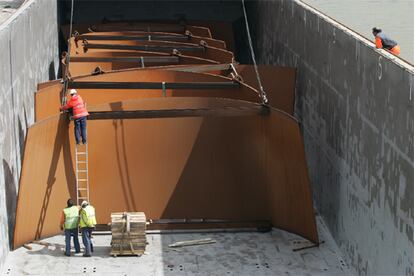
(87, 225)
(79, 114)
(69, 223)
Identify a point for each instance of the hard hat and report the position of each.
(73, 92)
(84, 203)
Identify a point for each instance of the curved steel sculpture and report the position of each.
(185, 140)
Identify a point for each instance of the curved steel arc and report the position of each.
(183, 146)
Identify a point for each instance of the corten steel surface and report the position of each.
(219, 30)
(208, 29)
(86, 65)
(164, 46)
(146, 36)
(48, 83)
(249, 167)
(143, 27)
(151, 27)
(47, 161)
(188, 49)
(277, 81)
(48, 99)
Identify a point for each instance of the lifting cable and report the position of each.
(66, 77)
(263, 95)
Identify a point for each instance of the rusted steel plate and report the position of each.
(145, 27)
(149, 36)
(178, 113)
(116, 85)
(153, 46)
(48, 100)
(220, 30)
(48, 83)
(85, 65)
(278, 83)
(251, 167)
(46, 180)
(189, 49)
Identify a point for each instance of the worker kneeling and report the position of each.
(382, 41)
(79, 115)
(87, 225)
(69, 222)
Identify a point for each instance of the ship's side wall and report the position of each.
(127, 10)
(28, 55)
(356, 105)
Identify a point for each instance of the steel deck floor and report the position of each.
(240, 253)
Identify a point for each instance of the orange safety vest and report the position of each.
(78, 106)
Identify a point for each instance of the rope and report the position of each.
(263, 95)
(66, 77)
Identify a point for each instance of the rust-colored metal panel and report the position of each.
(46, 180)
(195, 50)
(288, 163)
(86, 65)
(47, 84)
(143, 27)
(148, 36)
(48, 100)
(85, 46)
(278, 83)
(219, 30)
(206, 52)
(222, 167)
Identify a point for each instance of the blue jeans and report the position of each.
(86, 238)
(80, 130)
(71, 233)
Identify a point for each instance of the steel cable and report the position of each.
(66, 77)
(263, 94)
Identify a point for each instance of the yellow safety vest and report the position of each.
(87, 217)
(71, 217)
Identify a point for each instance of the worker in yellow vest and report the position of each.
(69, 223)
(87, 225)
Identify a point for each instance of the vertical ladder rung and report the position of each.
(83, 170)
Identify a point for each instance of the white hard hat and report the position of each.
(84, 203)
(73, 92)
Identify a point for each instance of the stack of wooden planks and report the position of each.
(128, 233)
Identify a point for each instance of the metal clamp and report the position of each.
(164, 90)
(142, 62)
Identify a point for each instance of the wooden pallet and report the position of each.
(128, 234)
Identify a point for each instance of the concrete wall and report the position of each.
(356, 105)
(118, 10)
(28, 55)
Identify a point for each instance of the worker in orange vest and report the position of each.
(383, 41)
(79, 115)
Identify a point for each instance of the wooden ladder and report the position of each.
(82, 174)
